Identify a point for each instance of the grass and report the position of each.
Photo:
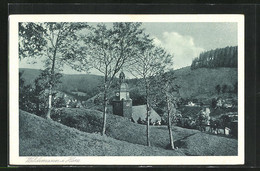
(117, 127)
(41, 137)
(189, 141)
(209, 145)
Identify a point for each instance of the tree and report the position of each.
(169, 93)
(213, 103)
(25, 93)
(41, 83)
(56, 42)
(225, 121)
(150, 62)
(224, 88)
(203, 118)
(109, 49)
(235, 85)
(218, 88)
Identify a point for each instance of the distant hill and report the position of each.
(198, 83)
(71, 83)
(221, 57)
(201, 83)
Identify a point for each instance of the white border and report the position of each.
(15, 159)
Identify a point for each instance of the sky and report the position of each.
(184, 40)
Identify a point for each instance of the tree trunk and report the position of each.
(104, 111)
(148, 124)
(48, 116)
(147, 114)
(170, 124)
(38, 107)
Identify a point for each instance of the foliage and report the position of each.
(109, 49)
(56, 42)
(150, 62)
(137, 96)
(223, 57)
(218, 88)
(225, 121)
(33, 98)
(25, 93)
(203, 118)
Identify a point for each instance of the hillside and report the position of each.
(81, 84)
(198, 83)
(122, 129)
(41, 137)
(201, 82)
(220, 57)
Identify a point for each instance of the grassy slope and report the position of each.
(40, 137)
(205, 144)
(118, 127)
(122, 129)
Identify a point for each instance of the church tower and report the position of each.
(122, 105)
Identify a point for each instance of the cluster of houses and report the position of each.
(122, 106)
(220, 103)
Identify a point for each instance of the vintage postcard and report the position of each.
(126, 89)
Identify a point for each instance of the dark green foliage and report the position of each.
(213, 103)
(31, 39)
(224, 88)
(235, 85)
(224, 57)
(218, 88)
(25, 94)
(137, 96)
(33, 97)
(59, 102)
(225, 121)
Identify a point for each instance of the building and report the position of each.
(139, 113)
(122, 105)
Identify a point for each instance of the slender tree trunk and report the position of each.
(48, 116)
(169, 123)
(148, 124)
(38, 107)
(105, 108)
(147, 115)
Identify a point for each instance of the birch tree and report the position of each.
(56, 43)
(168, 90)
(109, 49)
(149, 63)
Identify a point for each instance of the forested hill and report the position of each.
(197, 83)
(86, 83)
(221, 57)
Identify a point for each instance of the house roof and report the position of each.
(140, 112)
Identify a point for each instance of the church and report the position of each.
(122, 104)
